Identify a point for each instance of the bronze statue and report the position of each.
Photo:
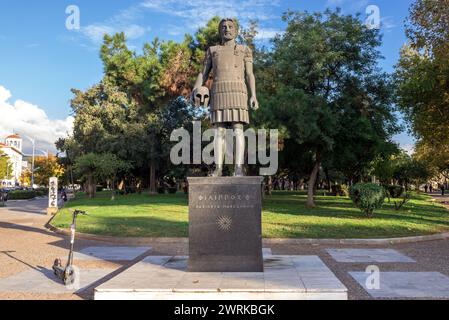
(232, 68)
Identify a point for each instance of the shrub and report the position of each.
(21, 195)
(395, 191)
(100, 188)
(172, 190)
(161, 190)
(340, 190)
(41, 192)
(367, 197)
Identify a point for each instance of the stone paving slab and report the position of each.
(285, 277)
(369, 256)
(44, 281)
(407, 285)
(110, 253)
(266, 252)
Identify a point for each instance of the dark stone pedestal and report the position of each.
(225, 232)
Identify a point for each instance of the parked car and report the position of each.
(3, 195)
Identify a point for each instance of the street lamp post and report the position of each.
(32, 161)
(32, 167)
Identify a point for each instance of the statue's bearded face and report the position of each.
(228, 31)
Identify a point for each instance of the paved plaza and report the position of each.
(110, 253)
(28, 250)
(368, 256)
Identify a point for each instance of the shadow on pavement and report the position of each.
(48, 273)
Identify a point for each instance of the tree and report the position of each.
(131, 112)
(25, 178)
(5, 166)
(428, 25)
(99, 167)
(435, 157)
(422, 75)
(45, 168)
(411, 171)
(108, 167)
(86, 167)
(322, 88)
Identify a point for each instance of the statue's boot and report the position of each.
(238, 172)
(218, 172)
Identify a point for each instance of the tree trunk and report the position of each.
(328, 180)
(153, 178)
(113, 190)
(269, 187)
(91, 186)
(312, 181)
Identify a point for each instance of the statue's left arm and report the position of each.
(251, 79)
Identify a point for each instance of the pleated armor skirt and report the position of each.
(229, 103)
(229, 115)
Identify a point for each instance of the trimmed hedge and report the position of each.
(367, 197)
(395, 191)
(172, 190)
(21, 195)
(41, 192)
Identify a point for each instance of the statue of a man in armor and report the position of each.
(232, 67)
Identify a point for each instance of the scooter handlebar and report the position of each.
(77, 212)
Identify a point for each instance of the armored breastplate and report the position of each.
(228, 64)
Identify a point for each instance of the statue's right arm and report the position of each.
(204, 76)
(207, 69)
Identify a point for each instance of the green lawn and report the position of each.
(284, 216)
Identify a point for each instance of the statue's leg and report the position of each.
(239, 149)
(219, 148)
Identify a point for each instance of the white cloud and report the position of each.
(350, 5)
(96, 32)
(266, 34)
(388, 23)
(27, 119)
(409, 148)
(124, 21)
(192, 13)
(196, 13)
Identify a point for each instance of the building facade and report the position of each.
(12, 148)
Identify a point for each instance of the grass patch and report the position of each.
(285, 215)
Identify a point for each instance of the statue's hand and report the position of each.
(254, 104)
(192, 96)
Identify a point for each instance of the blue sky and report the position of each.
(41, 60)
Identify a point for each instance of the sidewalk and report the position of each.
(444, 200)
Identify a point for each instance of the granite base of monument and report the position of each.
(166, 278)
(225, 224)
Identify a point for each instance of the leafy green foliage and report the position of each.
(21, 195)
(340, 190)
(321, 86)
(93, 167)
(394, 191)
(422, 75)
(367, 197)
(5, 166)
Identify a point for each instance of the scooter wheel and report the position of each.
(71, 276)
(57, 264)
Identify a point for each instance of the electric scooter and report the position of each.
(68, 274)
